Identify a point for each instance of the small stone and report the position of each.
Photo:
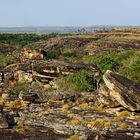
(4, 96)
(3, 122)
(129, 134)
(28, 96)
(89, 125)
(63, 130)
(47, 86)
(137, 134)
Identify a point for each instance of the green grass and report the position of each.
(24, 87)
(80, 81)
(6, 60)
(109, 60)
(65, 54)
(131, 67)
(71, 55)
(126, 63)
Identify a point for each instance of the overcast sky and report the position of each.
(15, 13)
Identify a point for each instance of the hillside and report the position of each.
(70, 86)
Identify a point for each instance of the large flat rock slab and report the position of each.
(125, 91)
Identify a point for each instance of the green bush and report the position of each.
(136, 66)
(131, 68)
(53, 53)
(126, 63)
(24, 87)
(24, 38)
(104, 61)
(71, 55)
(6, 60)
(80, 81)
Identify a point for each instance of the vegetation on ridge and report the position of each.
(121, 59)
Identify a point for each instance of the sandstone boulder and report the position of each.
(123, 90)
(51, 68)
(105, 99)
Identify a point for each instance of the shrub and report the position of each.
(80, 81)
(24, 87)
(71, 55)
(54, 53)
(6, 60)
(131, 67)
(103, 60)
(126, 63)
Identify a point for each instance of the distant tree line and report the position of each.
(24, 38)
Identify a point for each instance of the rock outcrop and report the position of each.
(105, 99)
(51, 66)
(123, 90)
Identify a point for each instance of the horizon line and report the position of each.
(64, 26)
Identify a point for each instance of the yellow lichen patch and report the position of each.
(20, 130)
(107, 125)
(99, 123)
(84, 106)
(117, 119)
(71, 115)
(100, 109)
(33, 116)
(24, 77)
(88, 123)
(123, 114)
(65, 107)
(20, 123)
(74, 122)
(2, 101)
(54, 101)
(74, 137)
(16, 65)
(137, 118)
(43, 113)
(20, 127)
(17, 104)
(123, 126)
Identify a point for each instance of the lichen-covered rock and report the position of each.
(105, 99)
(28, 96)
(3, 123)
(4, 119)
(52, 68)
(126, 92)
(24, 77)
(31, 54)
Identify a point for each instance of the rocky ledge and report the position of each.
(110, 113)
